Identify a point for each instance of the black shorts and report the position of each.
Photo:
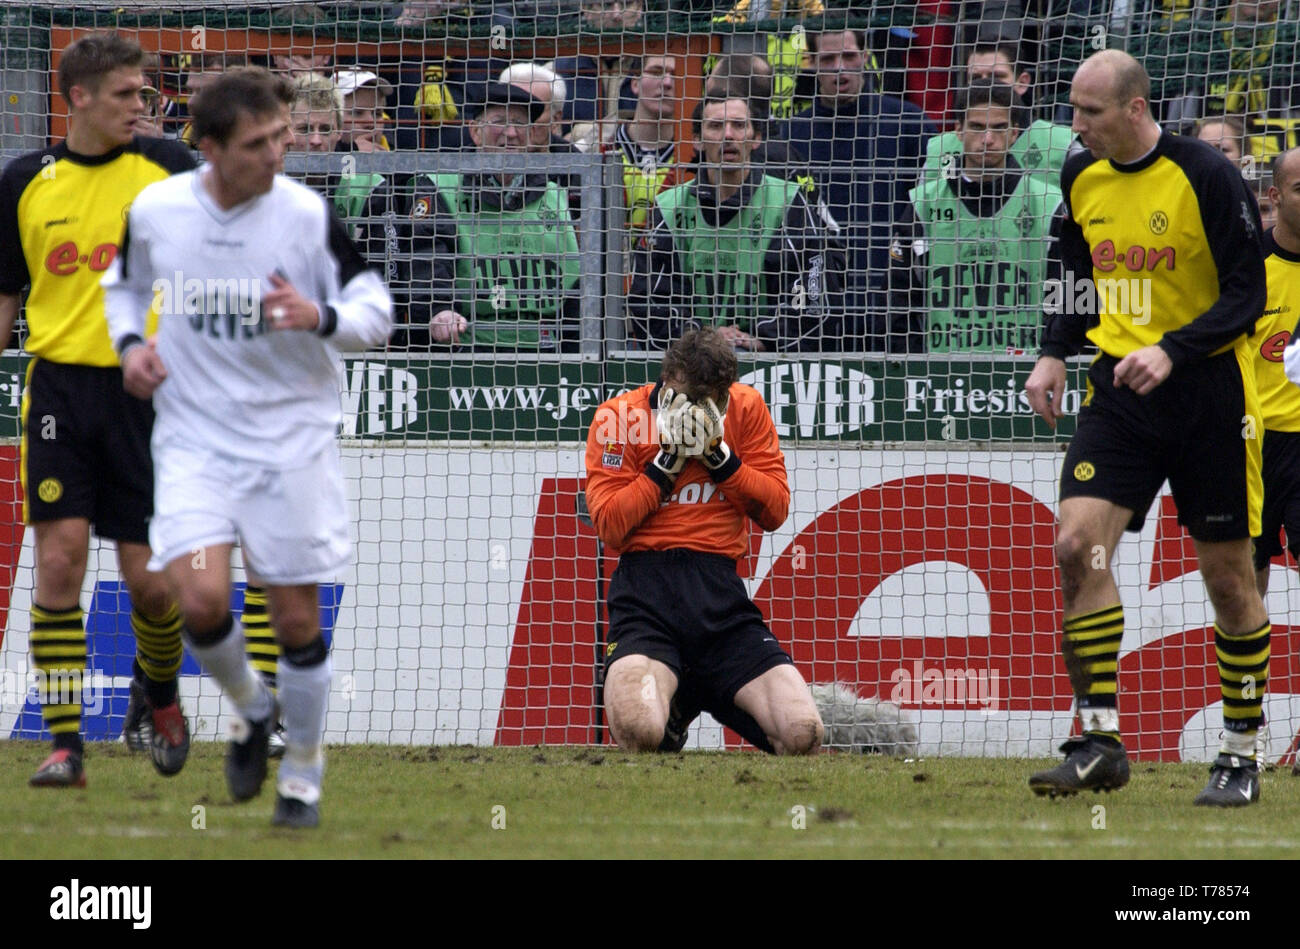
(690, 611)
(85, 450)
(1281, 497)
(1191, 429)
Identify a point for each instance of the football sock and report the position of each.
(304, 698)
(59, 655)
(158, 653)
(221, 654)
(1243, 677)
(263, 650)
(1090, 646)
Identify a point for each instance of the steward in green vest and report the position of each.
(1040, 148)
(494, 263)
(735, 249)
(968, 262)
(350, 194)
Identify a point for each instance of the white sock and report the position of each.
(1100, 719)
(1241, 744)
(304, 698)
(226, 662)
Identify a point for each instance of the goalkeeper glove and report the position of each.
(703, 430)
(665, 466)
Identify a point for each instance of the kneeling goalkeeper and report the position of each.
(674, 472)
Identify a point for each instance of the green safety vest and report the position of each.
(511, 265)
(724, 265)
(1040, 150)
(984, 276)
(350, 197)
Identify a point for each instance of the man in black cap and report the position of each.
(494, 259)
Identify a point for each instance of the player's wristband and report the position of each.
(721, 461)
(127, 343)
(663, 470)
(329, 320)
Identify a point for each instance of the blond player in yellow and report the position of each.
(85, 452)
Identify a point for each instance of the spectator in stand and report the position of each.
(298, 64)
(749, 76)
(600, 87)
(866, 151)
(316, 117)
(149, 123)
(1262, 186)
(970, 258)
(494, 259)
(360, 199)
(647, 143)
(364, 96)
(1226, 133)
(929, 58)
(612, 14)
(1039, 148)
(417, 13)
(541, 82)
(735, 248)
(200, 70)
(153, 122)
(785, 53)
(546, 87)
(1246, 71)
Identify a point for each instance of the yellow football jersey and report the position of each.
(1279, 397)
(62, 216)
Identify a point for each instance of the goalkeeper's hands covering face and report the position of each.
(703, 433)
(665, 466)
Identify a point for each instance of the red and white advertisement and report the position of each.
(921, 577)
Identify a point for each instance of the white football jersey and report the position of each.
(234, 385)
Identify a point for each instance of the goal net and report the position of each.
(885, 298)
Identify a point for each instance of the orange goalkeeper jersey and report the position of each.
(626, 505)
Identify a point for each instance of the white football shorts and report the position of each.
(293, 524)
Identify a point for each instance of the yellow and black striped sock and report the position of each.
(1091, 649)
(260, 646)
(158, 653)
(1243, 676)
(59, 655)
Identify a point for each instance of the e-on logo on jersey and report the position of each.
(1136, 258)
(1084, 471)
(695, 493)
(1272, 349)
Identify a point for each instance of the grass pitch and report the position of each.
(443, 802)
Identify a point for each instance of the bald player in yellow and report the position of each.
(1279, 397)
(85, 448)
(1166, 233)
